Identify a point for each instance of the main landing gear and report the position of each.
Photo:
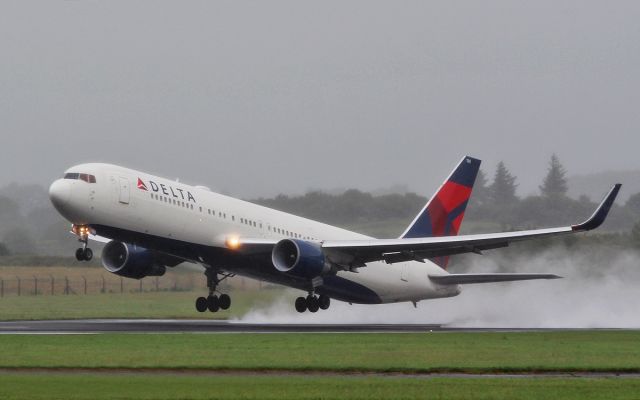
(83, 253)
(312, 303)
(212, 302)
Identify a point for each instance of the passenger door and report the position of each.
(124, 191)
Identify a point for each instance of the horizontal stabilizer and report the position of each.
(463, 279)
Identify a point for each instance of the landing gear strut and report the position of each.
(83, 253)
(312, 303)
(212, 302)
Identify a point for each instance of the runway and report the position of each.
(195, 326)
(87, 326)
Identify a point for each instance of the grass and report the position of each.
(174, 305)
(604, 351)
(256, 366)
(132, 303)
(167, 386)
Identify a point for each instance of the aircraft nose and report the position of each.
(60, 192)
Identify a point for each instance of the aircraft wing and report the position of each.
(352, 254)
(464, 279)
(356, 253)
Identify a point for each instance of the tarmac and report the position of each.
(87, 326)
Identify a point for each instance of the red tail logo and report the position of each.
(141, 185)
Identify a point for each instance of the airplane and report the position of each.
(150, 223)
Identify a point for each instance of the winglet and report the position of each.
(598, 217)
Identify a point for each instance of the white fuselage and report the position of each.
(124, 203)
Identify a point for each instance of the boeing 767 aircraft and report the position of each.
(151, 223)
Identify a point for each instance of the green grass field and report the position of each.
(164, 304)
(318, 366)
(171, 386)
(132, 303)
(429, 352)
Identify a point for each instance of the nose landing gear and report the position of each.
(83, 253)
(212, 302)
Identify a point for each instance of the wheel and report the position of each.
(88, 254)
(313, 304)
(80, 254)
(301, 304)
(213, 304)
(201, 304)
(325, 302)
(224, 301)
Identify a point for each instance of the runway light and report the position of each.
(233, 243)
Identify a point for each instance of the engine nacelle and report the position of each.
(299, 257)
(130, 261)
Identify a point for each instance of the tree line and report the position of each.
(493, 205)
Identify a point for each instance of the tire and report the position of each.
(224, 301)
(213, 304)
(80, 254)
(325, 302)
(301, 304)
(313, 304)
(88, 254)
(201, 304)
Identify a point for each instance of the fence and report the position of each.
(82, 285)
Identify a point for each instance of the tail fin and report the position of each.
(443, 213)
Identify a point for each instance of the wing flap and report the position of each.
(463, 279)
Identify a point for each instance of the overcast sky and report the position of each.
(257, 98)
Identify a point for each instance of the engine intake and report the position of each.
(299, 257)
(130, 261)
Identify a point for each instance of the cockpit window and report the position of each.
(83, 177)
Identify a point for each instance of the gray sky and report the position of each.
(257, 98)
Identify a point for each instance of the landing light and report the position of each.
(233, 243)
(80, 230)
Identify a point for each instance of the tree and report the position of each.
(555, 183)
(480, 188)
(503, 189)
(633, 204)
(635, 234)
(20, 241)
(4, 251)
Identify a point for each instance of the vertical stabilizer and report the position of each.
(443, 213)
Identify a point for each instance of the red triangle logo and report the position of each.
(141, 185)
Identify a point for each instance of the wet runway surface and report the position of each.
(213, 326)
(195, 326)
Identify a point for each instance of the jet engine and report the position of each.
(299, 257)
(130, 261)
